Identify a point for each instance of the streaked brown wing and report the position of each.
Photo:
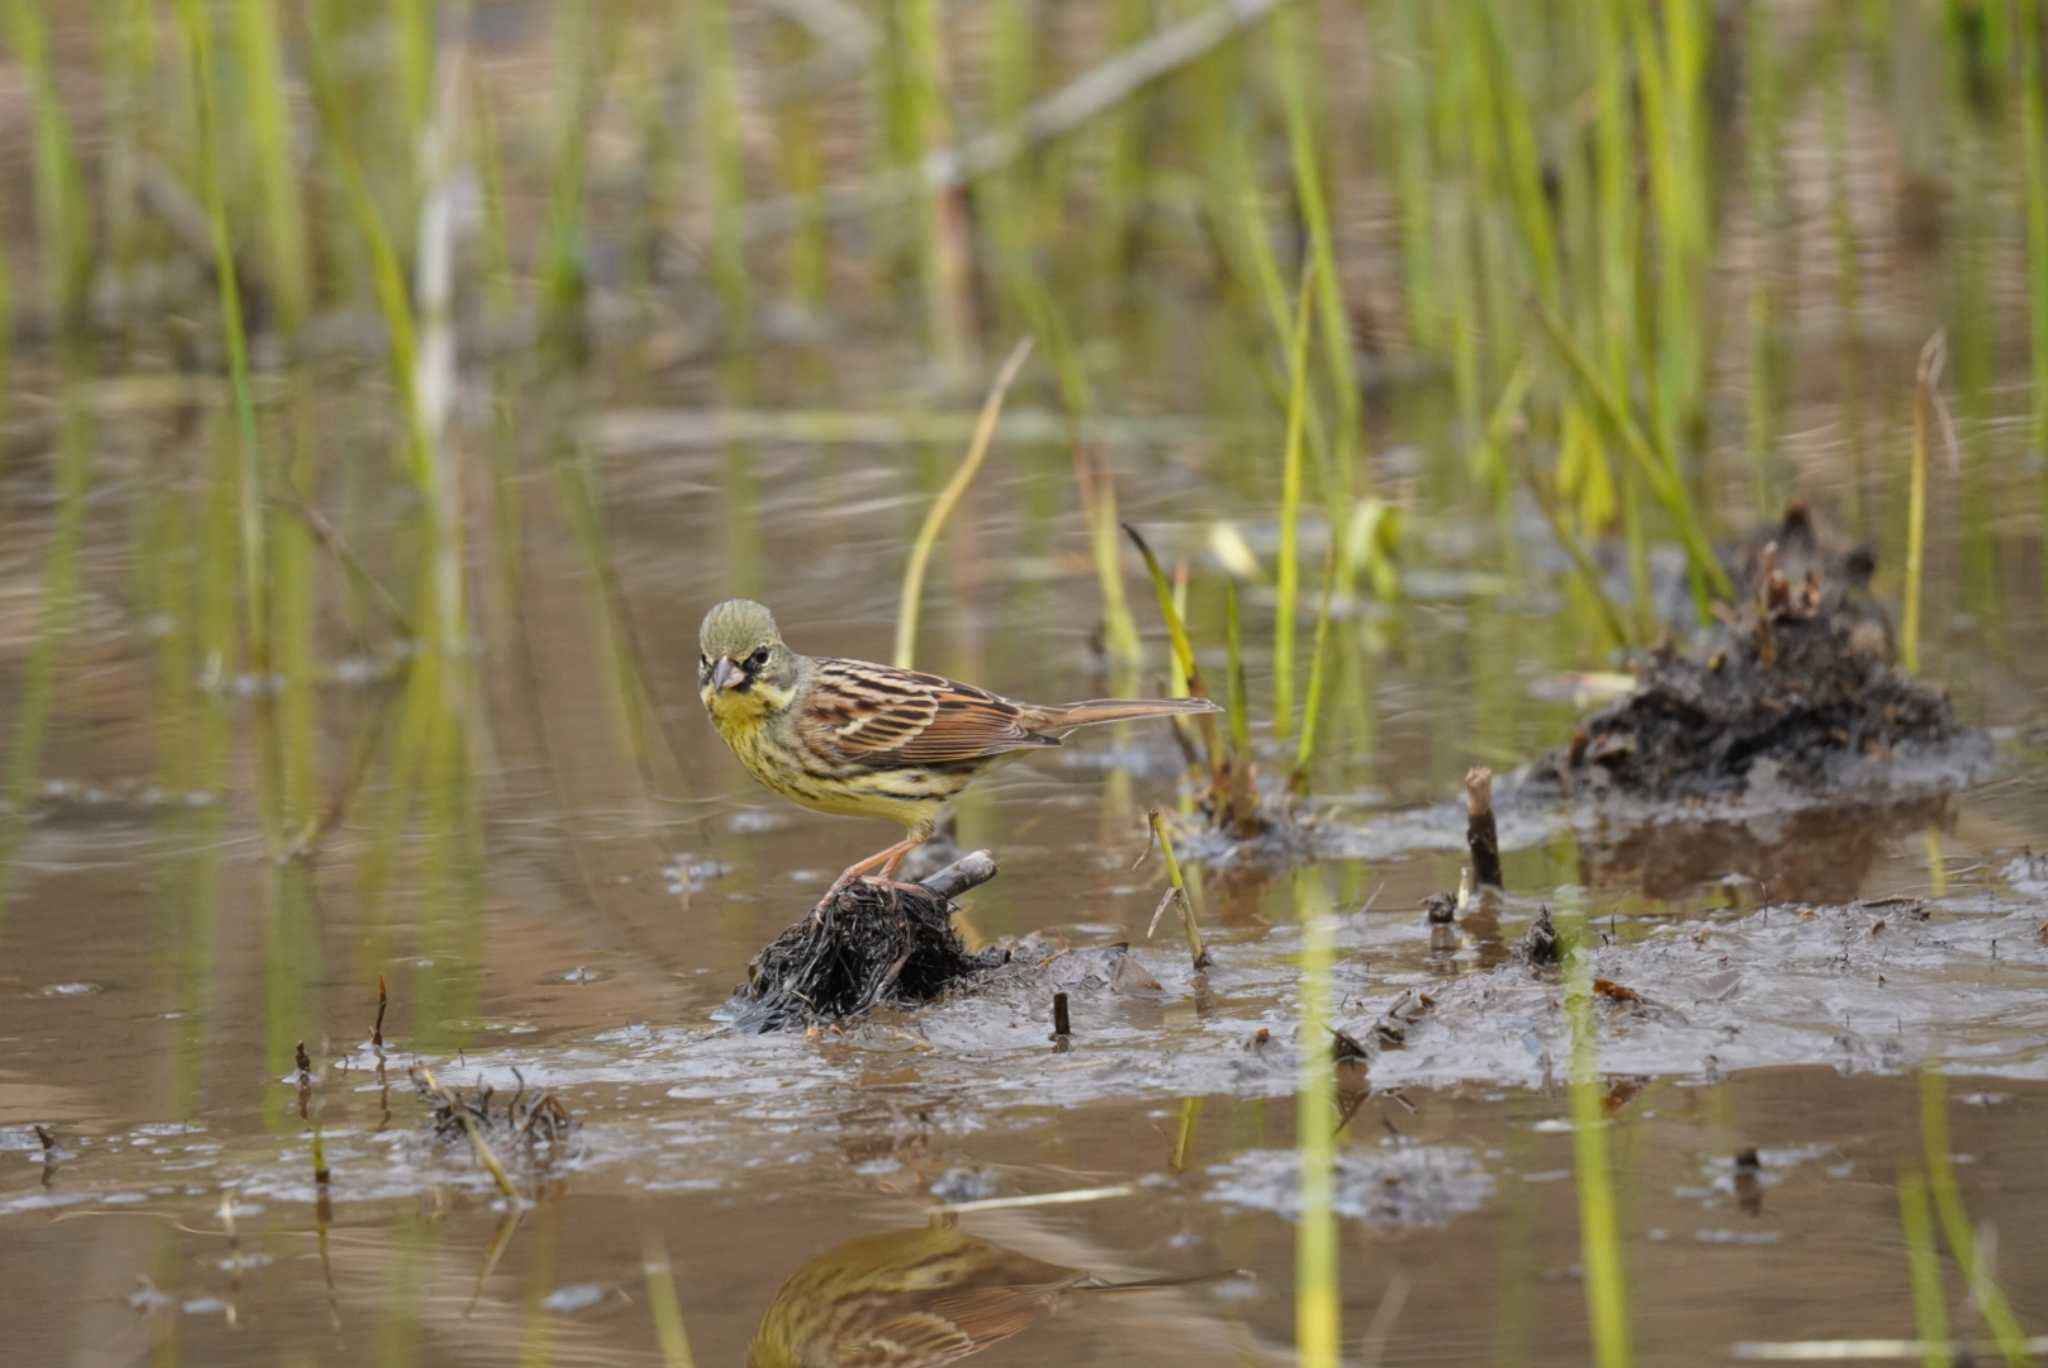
(879, 715)
(914, 1339)
(952, 1325)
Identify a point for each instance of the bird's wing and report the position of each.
(914, 1337)
(879, 715)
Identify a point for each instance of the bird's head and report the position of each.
(744, 671)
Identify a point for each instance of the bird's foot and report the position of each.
(895, 889)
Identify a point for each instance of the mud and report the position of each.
(873, 945)
(1798, 687)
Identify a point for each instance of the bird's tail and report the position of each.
(1094, 710)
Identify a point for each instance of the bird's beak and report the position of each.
(725, 674)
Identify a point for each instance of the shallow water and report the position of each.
(559, 901)
(160, 970)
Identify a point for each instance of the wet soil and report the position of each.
(872, 945)
(1796, 688)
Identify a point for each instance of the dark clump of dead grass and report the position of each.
(1801, 675)
(873, 945)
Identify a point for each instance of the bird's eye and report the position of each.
(703, 662)
(759, 657)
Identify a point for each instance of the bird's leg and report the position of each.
(889, 861)
(886, 876)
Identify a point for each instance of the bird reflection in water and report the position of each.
(917, 1298)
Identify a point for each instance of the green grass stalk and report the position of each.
(1710, 580)
(1929, 374)
(563, 283)
(663, 1304)
(252, 475)
(264, 115)
(1414, 175)
(1176, 627)
(1312, 707)
(1181, 892)
(1669, 76)
(916, 122)
(1098, 499)
(2034, 174)
(1599, 1223)
(717, 77)
(1318, 1306)
(395, 302)
(63, 210)
(1296, 77)
(1287, 571)
(1848, 270)
(494, 239)
(1955, 1223)
(1761, 126)
(1930, 1309)
(1184, 1137)
(7, 325)
(803, 171)
(948, 499)
(1618, 251)
(1121, 191)
(1238, 706)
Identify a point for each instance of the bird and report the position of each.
(858, 739)
(917, 1298)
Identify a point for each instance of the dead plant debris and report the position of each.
(1800, 675)
(872, 945)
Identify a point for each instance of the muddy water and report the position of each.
(159, 971)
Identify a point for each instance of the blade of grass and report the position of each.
(1180, 892)
(1239, 706)
(63, 211)
(1291, 48)
(1318, 1309)
(1311, 709)
(1287, 570)
(1177, 630)
(1709, 578)
(1955, 1223)
(1930, 1310)
(1932, 356)
(251, 473)
(1599, 1225)
(663, 1305)
(949, 498)
(2034, 172)
(262, 85)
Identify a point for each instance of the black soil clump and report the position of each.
(872, 946)
(1801, 675)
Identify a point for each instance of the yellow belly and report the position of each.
(912, 797)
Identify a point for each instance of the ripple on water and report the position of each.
(1397, 1184)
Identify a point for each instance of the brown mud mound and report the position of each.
(872, 946)
(1801, 677)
